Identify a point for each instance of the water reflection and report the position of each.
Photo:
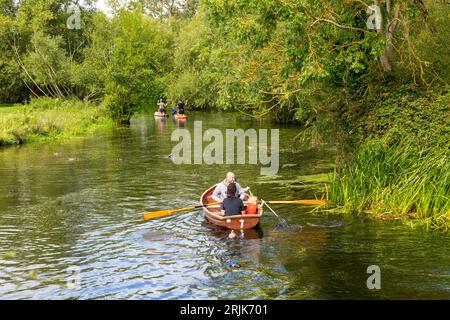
(222, 233)
(180, 122)
(56, 213)
(160, 122)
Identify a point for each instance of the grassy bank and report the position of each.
(396, 182)
(48, 119)
(402, 169)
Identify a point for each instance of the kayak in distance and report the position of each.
(159, 115)
(237, 222)
(180, 116)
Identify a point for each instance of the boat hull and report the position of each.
(180, 116)
(237, 222)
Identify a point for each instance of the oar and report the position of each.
(264, 202)
(282, 223)
(307, 202)
(162, 213)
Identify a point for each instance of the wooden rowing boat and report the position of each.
(180, 116)
(237, 222)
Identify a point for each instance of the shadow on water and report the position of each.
(283, 225)
(243, 251)
(157, 236)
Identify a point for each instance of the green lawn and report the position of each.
(8, 108)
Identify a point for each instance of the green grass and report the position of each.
(397, 181)
(8, 108)
(401, 170)
(46, 119)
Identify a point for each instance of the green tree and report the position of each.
(199, 65)
(12, 89)
(140, 57)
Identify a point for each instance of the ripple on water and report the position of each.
(87, 213)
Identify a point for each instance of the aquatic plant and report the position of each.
(397, 180)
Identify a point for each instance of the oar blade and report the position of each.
(312, 202)
(162, 213)
(156, 214)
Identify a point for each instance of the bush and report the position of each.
(409, 116)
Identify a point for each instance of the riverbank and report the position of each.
(401, 170)
(46, 119)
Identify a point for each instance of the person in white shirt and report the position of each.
(220, 193)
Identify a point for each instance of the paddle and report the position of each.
(162, 213)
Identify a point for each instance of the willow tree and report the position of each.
(12, 89)
(288, 52)
(38, 43)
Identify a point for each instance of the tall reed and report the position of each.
(396, 180)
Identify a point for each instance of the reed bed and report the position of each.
(399, 181)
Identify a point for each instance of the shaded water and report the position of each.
(78, 204)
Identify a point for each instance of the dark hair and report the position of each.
(231, 190)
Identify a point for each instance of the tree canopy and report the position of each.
(288, 57)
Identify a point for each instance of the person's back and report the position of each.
(232, 205)
(180, 107)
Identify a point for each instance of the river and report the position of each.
(71, 226)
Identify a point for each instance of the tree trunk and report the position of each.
(386, 58)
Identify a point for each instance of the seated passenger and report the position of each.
(220, 193)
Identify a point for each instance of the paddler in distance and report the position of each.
(161, 108)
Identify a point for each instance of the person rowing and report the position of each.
(161, 108)
(220, 193)
(180, 106)
(232, 205)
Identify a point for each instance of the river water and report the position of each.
(70, 226)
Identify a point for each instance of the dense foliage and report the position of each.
(403, 169)
(285, 57)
